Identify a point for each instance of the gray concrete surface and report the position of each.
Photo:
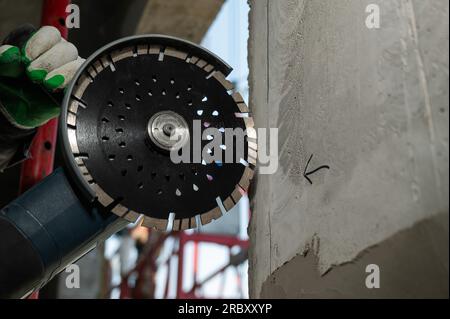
(413, 264)
(373, 105)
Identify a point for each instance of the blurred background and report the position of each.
(208, 262)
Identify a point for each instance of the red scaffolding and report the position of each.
(42, 150)
(147, 261)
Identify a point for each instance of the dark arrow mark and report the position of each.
(306, 174)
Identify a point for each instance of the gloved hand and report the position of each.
(34, 67)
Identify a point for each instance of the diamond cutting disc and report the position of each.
(118, 122)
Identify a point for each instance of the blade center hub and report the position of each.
(168, 130)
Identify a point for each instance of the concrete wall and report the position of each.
(372, 104)
(188, 20)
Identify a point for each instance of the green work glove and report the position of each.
(34, 67)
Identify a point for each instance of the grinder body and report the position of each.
(46, 229)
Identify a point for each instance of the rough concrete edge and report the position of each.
(314, 246)
(252, 190)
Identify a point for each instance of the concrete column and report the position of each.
(372, 105)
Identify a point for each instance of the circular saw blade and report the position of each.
(107, 122)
